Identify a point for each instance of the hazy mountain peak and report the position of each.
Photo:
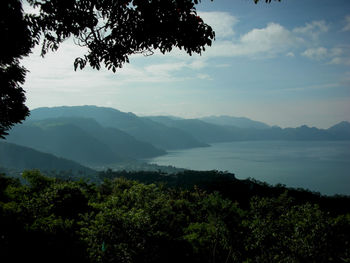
(341, 125)
(240, 122)
(341, 130)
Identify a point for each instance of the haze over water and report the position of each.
(322, 166)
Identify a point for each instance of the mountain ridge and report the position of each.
(78, 134)
(13, 156)
(240, 122)
(164, 131)
(212, 133)
(145, 130)
(82, 140)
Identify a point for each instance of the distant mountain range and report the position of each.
(247, 130)
(239, 122)
(143, 129)
(98, 137)
(203, 131)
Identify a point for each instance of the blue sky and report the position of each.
(285, 63)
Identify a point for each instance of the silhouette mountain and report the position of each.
(64, 140)
(82, 140)
(143, 129)
(206, 132)
(211, 133)
(240, 122)
(341, 130)
(168, 132)
(18, 157)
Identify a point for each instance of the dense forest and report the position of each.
(154, 217)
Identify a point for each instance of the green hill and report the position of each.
(81, 140)
(118, 141)
(15, 157)
(64, 140)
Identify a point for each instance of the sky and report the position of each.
(286, 63)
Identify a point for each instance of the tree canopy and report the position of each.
(111, 30)
(16, 43)
(57, 220)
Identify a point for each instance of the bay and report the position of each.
(321, 166)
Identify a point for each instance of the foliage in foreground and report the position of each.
(54, 220)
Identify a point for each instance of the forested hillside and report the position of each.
(17, 158)
(82, 140)
(55, 220)
(64, 140)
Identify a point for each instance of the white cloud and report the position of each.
(315, 53)
(336, 61)
(198, 64)
(266, 42)
(259, 42)
(340, 55)
(221, 22)
(256, 43)
(204, 77)
(347, 24)
(273, 37)
(340, 61)
(336, 51)
(334, 56)
(313, 29)
(55, 72)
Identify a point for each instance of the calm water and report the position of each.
(318, 166)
